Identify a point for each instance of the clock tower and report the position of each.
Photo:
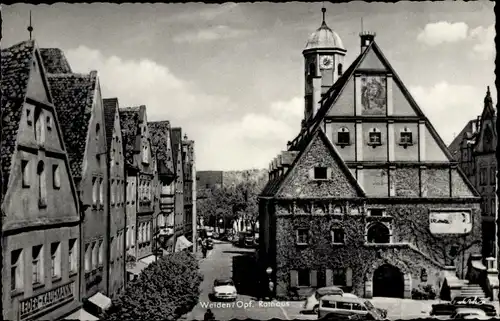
(323, 65)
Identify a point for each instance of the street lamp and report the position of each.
(269, 270)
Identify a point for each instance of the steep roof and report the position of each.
(55, 61)
(159, 134)
(129, 122)
(110, 105)
(16, 66)
(73, 96)
(468, 132)
(277, 184)
(176, 143)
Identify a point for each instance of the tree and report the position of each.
(165, 290)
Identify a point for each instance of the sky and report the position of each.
(231, 75)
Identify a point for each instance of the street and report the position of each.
(228, 261)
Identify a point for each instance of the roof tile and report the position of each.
(129, 122)
(55, 61)
(160, 133)
(16, 67)
(73, 96)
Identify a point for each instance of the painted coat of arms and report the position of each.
(373, 95)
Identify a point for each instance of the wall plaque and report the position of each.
(450, 222)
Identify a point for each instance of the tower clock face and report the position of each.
(326, 62)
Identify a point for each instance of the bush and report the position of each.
(165, 290)
(423, 292)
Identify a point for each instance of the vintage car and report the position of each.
(448, 308)
(224, 289)
(468, 313)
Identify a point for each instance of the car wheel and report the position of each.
(315, 309)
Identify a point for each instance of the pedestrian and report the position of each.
(204, 250)
(209, 316)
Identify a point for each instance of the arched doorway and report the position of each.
(388, 282)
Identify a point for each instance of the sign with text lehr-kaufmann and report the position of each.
(34, 306)
(450, 222)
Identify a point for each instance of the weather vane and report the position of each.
(30, 27)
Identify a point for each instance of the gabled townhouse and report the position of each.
(40, 207)
(140, 169)
(181, 243)
(78, 100)
(367, 194)
(117, 231)
(189, 172)
(475, 151)
(160, 133)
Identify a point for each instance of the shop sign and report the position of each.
(44, 301)
(450, 222)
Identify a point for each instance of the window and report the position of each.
(95, 188)
(101, 192)
(312, 70)
(55, 259)
(26, 172)
(493, 175)
(127, 238)
(112, 249)
(302, 236)
(493, 207)
(343, 136)
(337, 210)
(378, 233)
(40, 130)
(95, 254)
(56, 177)
(37, 264)
(339, 277)
(406, 137)
(374, 137)
(42, 186)
(320, 173)
(28, 117)
(337, 236)
(343, 305)
(73, 256)
(97, 131)
(376, 212)
(49, 123)
(88, 254)
(132, 236)
(16, 270)
(304, 277)
(482, 176)
(339, 68)
(145, 155)
(101, 253)
(113, 192)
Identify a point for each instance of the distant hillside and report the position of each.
(235, 177)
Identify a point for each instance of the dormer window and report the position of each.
(406, 138)
(42, 186)
(343, 137)
(28, 117)
(374, 137)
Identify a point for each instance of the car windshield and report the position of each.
(223, 282)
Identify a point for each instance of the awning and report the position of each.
(101, 301)
(136, 268)
(148, 259)
(182, 243)
(82, 315)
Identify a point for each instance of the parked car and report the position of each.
(346, 306)
(469, 313)
(312, 302)
(448, 308)
(224, 289)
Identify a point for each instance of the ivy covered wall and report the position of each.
(413, 247)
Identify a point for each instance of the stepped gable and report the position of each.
(129, 122)
(73, 96)
(16, 66)
(55, 61)
(110, 105)
(159, 134)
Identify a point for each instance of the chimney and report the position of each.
(366, 39)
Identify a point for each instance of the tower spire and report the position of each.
(323, 10)
(30, 27)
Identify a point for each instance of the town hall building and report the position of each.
(367, 194)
